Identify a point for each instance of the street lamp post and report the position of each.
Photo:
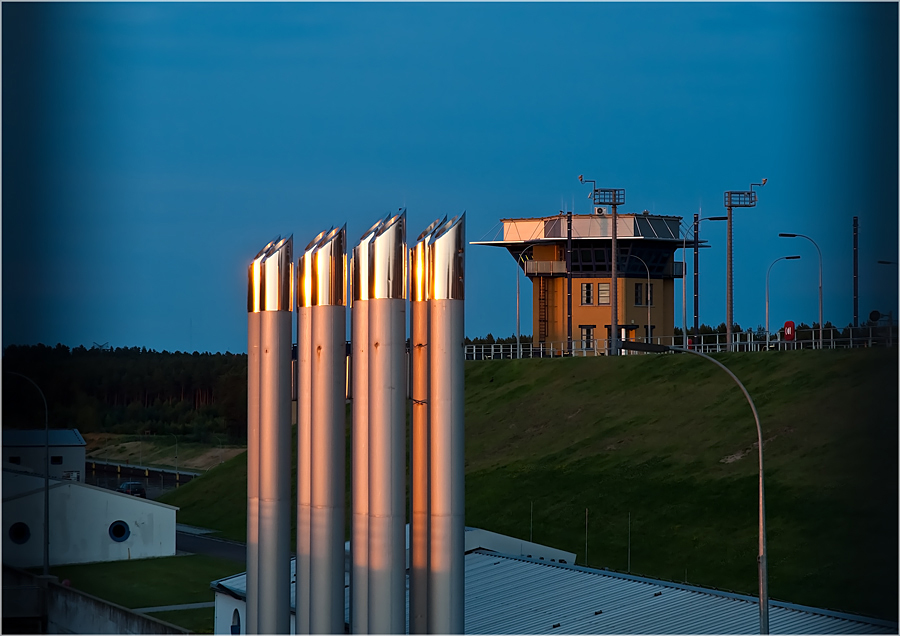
(697, 221)
(648, 293)
(518, 343)
(786, 235)
(783, 258)
(176, 457)
(734, 199)
(762, 565)
(46, 474)
(613, 197)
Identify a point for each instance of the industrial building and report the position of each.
(646, 273)
(87, 524)
(519, 587)
(26, 449)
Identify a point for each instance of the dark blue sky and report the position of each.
(150, 150)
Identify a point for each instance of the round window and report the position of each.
(119, 531)
(19, 532)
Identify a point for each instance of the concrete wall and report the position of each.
(80, 520)
(73, 612)
(32, 458)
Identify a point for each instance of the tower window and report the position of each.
(587, 294)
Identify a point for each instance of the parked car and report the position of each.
(135, 488)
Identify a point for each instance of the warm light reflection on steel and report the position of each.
(276, 277)
(274, 573)
(328, 351)
(446, 576)
(419, 488)
(254, 286)
(387, 428)
(387, 259)
(359, 538)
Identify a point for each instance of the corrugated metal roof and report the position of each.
(36, 437)
(517, 595)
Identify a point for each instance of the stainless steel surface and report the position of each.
(253, 322)
(360, 267)
(446, 260)
(446, 583)
(419, 485)
(304, 431)
(274, 469)
(359, 475)
(387, 259)
(387, 463)
(329, 269)
(277, 279)
(359, 471)
(254, 283)
(305, 278)
(327, 468)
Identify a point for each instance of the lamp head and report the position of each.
(786, 235)
(763, 182)
(717, 218)
(792, 258)
(581, 178)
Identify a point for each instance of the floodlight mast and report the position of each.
(613, 197)
(734, 199)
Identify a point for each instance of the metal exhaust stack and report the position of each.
(304, 427)
(446, 288)
(419, 491)
(272, 594)
(328, 353)
(387, 428)
(359, 538)
(254, 307)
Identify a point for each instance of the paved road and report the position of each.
(221, 548)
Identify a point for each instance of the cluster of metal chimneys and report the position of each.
(384, 273)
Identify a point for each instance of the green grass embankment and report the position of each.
(670, 440)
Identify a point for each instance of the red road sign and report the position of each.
(789, 330)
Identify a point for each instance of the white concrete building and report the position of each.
(26, 449)
(87, 524)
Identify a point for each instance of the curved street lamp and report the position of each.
(783, 258)
(786, 235)
(46, 474)
(648, 293)
(762, 565)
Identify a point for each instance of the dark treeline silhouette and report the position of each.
(127, 390)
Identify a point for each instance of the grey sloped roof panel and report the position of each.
(36, 437)
(517, 595)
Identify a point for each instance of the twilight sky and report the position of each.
(150, 150)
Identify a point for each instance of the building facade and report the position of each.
(26, 449)
(646, 273)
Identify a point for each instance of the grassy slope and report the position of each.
(646, 435)
(149, 582)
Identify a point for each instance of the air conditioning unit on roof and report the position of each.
(599, 209)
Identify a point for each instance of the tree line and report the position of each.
(127, 390)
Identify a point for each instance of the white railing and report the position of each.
(705, 343)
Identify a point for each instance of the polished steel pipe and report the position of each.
(359, 476)
(387, 428)
(418, 527)
(327, 445)
(446, 579)
(274, 570)
(254, 307)
(304, 428)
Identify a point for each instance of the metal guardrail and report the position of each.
(705, 343)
